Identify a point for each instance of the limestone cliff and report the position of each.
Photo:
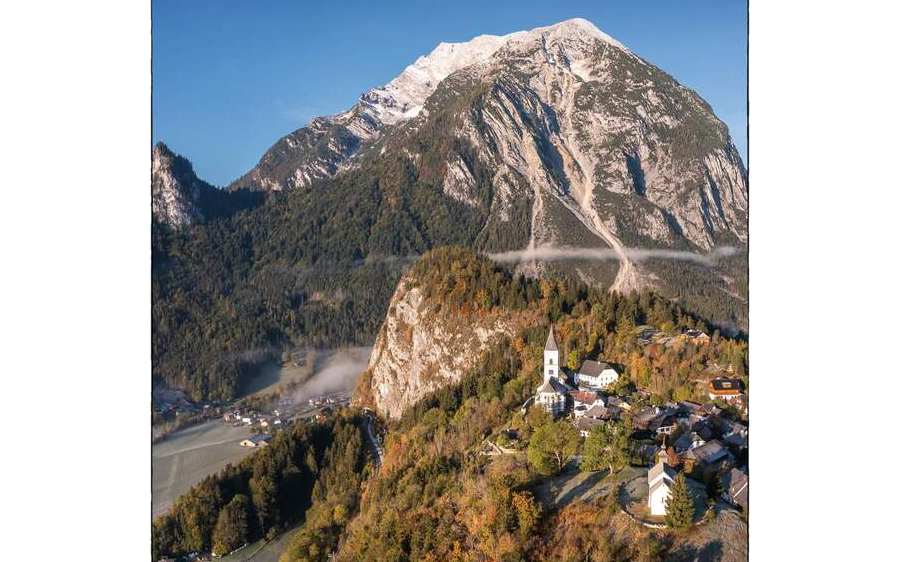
(421, 348)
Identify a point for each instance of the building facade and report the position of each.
(551, 394)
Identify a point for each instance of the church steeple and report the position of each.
(551, 357)
(551, 342)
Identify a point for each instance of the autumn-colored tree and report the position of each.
(574, 360)
(528, 512)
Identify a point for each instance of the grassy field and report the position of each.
(188, 455)
(557, 491)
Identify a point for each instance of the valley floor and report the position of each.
(189, 455)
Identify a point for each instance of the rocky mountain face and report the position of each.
(556, 137)
(176, 191)
(577, 137)
(180, 199)
(419, 350)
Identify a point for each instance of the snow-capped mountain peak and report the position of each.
(403, 97)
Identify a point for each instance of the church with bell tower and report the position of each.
(551, 394)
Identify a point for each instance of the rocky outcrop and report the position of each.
(176, 192)
(420, 349)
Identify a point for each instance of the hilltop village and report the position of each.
(707, 443)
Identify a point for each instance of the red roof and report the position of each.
(584, 396)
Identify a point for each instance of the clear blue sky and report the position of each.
(230, 77)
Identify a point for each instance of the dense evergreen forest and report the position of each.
(318, 265)
(268, 491)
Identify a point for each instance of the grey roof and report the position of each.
(661, 468)
(737, 485)
(593, 368)
(709, 452)
(691, 407)
(586, 424)
(553, 384)
(551, 342)
(601, 412)
(683, 443)
(737, 439)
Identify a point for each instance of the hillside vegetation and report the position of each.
(434, 497)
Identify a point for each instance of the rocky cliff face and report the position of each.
(176, 191)
(419, 350)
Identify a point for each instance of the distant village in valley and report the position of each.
(706, 442)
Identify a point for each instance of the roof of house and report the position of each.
(684, 442)
(709, 452)
(737, 439)
(691, 407)
(725, 386)
(258, 438)
(601, 412)
(584, 396)
(737, 484)
(586, 424)
(551, 342)
(593, 368)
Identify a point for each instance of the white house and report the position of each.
(659, 479)
(551, 394)
(583, 400)
(724, 388)
(595, 375)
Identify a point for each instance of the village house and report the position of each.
(664, 425)
(256, 441)
(551, 394)
(697, 336)
(584, 425)
(617, 402)
(655, 419)
(659, 479)
(724, 388)
(687, 441)
(736, 488)
(596, 375)
(324, 413)
(605, 413)
(583, 400)
(711, 454)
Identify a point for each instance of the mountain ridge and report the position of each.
(555, 140)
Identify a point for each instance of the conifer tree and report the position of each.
(679, 504)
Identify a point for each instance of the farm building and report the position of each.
(256, 441)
